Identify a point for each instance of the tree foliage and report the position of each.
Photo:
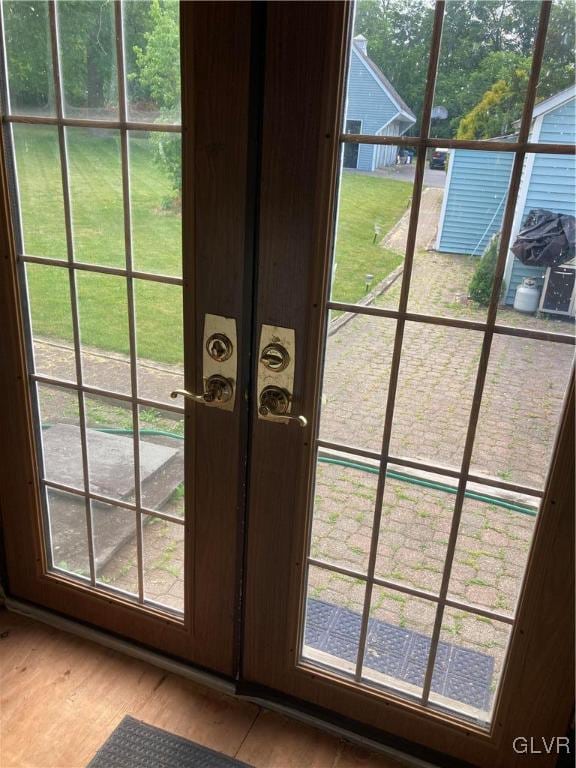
(158, 59)
(499, 107)
(483, 67)
(483, 42)
(480, 288)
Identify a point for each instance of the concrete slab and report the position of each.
(110, 459)
(111, 462)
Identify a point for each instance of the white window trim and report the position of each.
(451, 161)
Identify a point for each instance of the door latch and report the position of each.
(218, 391)
(219, 364)
(276, 375)
(275, 401)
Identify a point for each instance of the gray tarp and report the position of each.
(546, 239)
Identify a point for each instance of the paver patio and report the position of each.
(521, 406)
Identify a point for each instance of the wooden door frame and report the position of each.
(300, 150)
(216, 62)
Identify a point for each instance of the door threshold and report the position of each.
(123, 646)
(207, 679)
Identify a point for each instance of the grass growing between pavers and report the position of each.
(98, 238)
(366, 202)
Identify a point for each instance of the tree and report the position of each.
(483, 41)
(158, 60)
(498, 109)
(158, 70)
(28, 54)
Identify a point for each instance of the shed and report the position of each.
(373, 107)
(477, 186)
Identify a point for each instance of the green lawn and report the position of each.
(366, 201)
(98, 232)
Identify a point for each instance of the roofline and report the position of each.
(554, 101)
(384, 83)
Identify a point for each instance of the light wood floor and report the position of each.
(62, 696)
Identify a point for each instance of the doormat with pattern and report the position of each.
(136, 745)
(460, 674)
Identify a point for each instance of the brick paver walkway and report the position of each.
(522, 402)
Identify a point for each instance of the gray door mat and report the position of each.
(135, 744)
(460, 674)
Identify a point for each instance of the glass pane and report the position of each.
(164, 562)
(103, 318)
(115, 548)
(159, 339)
(61, 441)
(110, 447)
(162, 460)
(492, 549)
(96, 192)
(156, 191)
(557, 71)
(373, 212)
(540, 270)
(67, 535)
(51, 318)
(398, 643)
(88, 59)
(388, 65)
(334, 605)
(416, 517)
(521, 407)
(434, 396)
(355, 382)
(40, 190)
(483, 68)
(152, 53)
(28, 57)
(460, 214)
(344, 502)
(471, 667)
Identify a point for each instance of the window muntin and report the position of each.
(441, 540)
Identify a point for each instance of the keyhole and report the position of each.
(219, 347)
(275, 357)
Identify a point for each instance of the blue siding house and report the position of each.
(372, 106)
(477, 186)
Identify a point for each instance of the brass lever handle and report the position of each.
(274, 403)
(218, 390)
(188, 395)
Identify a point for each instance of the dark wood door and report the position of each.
(124, 509)
(382, 535)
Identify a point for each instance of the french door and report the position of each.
(118, 250)
(258, 420)
(400, 569)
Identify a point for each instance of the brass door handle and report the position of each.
(219, 390)
(274, 404)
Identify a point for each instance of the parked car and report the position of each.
(438, 159)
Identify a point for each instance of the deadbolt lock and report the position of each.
(275, 357)
(219, 365)
(219, 347)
